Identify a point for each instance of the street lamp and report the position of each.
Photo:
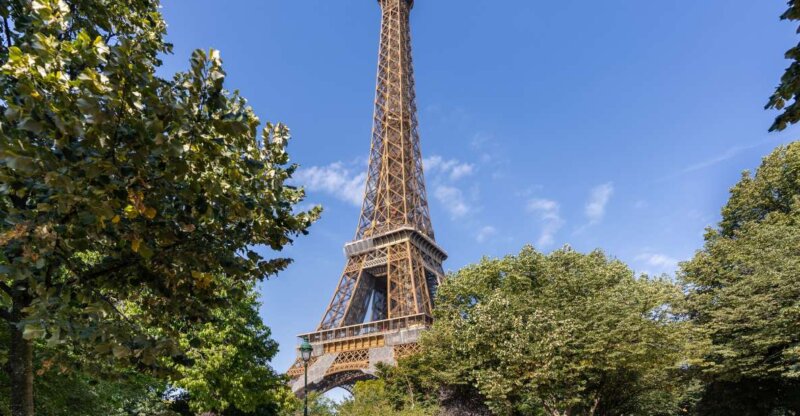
(305, 353)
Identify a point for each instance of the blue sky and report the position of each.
(618, 125)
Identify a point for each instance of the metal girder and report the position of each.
(395, 194)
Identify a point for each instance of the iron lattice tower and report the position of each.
(385, 295)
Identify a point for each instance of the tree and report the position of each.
(409, 384)
(744, 294)
(130, 205)
(229, 359)
(772, 191)
(558, 334)
(788, 91)
(229, 375)
(373, 398)
(76, 394)
(318, 405)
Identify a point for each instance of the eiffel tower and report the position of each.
(385, 296)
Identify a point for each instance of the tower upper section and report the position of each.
(410, 2)
(395, 194)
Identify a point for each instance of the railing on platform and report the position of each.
(370, 328)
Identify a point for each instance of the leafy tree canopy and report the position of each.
(373, 398)
(318, 405)
(773, 190)
(130, 205)
(744, 286)
(229, 362)
(558, 334)
(787, 93)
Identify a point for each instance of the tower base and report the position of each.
(345, 356)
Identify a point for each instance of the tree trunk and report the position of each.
(594, 406)
(20, 372)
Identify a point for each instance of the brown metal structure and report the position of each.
(385, 295)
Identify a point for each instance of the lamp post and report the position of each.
(305, 353)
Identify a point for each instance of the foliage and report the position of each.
(744, 289)
(78, 394)
(409, 384)
(373, 398)
(749, 397)
(773, 190)
(787, 93)
(565, 333)
(318, 405)
(130, 205)
(229, 359)
(230, 372)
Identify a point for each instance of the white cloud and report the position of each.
(334, 179)
(598, 200)
(453, 200)
(460, 171)
(452, 168)
(548, 213)
(661, 263)
(485, 233)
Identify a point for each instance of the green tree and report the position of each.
(558, 334)
(229, 375)
(318, 405)
(788, 91)
(373, 398)
(129, 204)
(229, 362)
(410, 384)
(77, 394)
(744, 294)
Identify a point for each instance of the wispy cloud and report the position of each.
(335, 179)
(452, 199)
(657, 262)
(598, 200)
(443, 175)
(490, 153)
(486, 233)
(548, 213)
(452, 168)
(727, 154)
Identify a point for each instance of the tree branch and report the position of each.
(107, 38)
(7, 30)
(116, 310)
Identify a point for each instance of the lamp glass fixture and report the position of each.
(305, 350)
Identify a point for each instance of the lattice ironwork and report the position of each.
(297, 368)
(386, 270)
(395, 194)
(349, 360)
(394, 265)
(405, 350)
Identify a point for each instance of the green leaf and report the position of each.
(31, 125)
(32, 331)
(15, 55)
(121, 351)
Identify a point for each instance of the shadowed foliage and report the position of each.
(130, 204)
